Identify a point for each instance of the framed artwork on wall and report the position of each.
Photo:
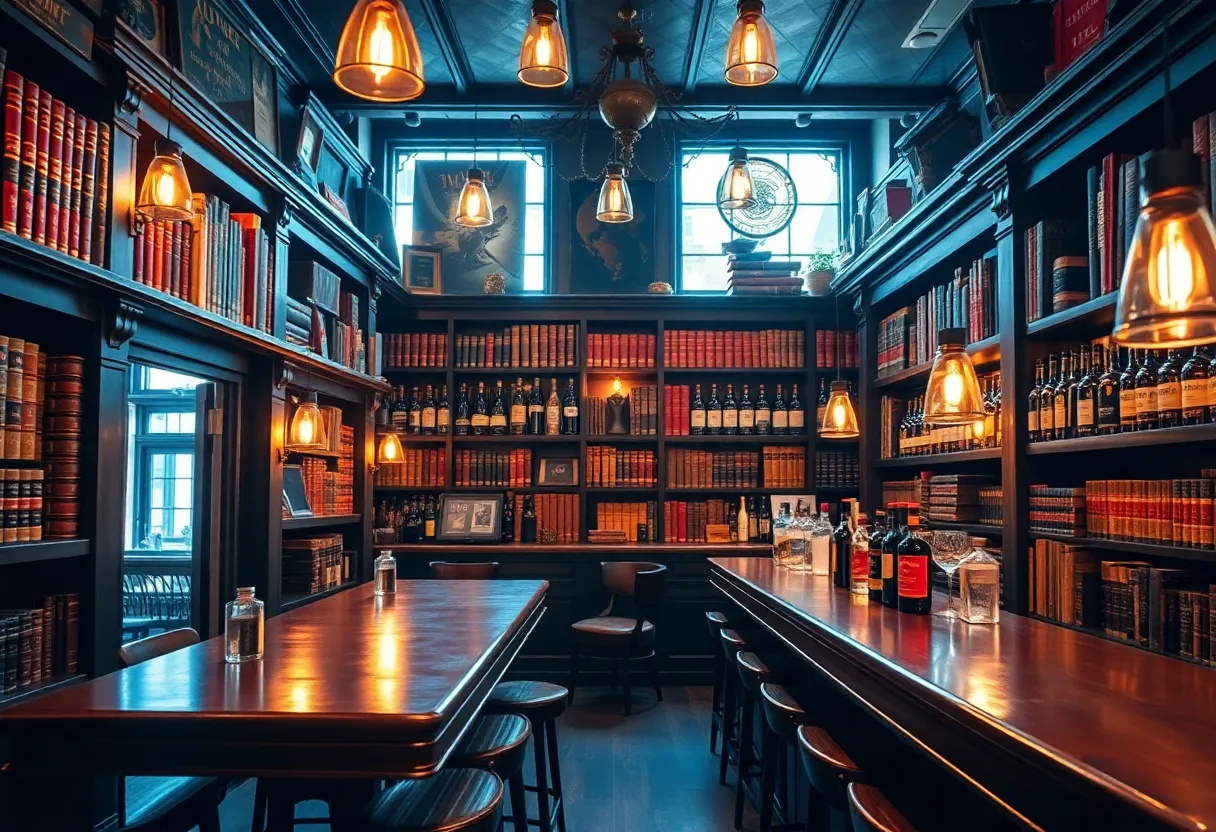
(422, 269)
(611, 258)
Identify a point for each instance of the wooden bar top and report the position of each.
(1138, 726)
(638, 551)
(344, 684)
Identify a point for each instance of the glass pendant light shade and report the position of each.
(165, 192)
(615, 205)
(474, 210)
(307, 431)
(390, 451)
(839, 418)
(378, 56)
(1166, 297)
(751, 54)
(543, 61)
(735, 188)
(953, 396)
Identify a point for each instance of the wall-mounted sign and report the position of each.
(63, 21)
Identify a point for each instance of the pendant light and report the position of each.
(736, 189)
(390, 451)
(751, 54)
(307, 431)
(378, 56)
(543, 61)
(615, 204)
(474, 210)
(953, 396)
(165, 192)
(1166, 296)
(839, 417)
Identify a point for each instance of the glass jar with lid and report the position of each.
(244, 627)
(979, 577)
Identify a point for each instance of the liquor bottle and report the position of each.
(890, 593)
(730, 413)
(741, 520)
(385, 571)
(905, 431)
(747, 414)
(1146, 393)
(1047, 400)
(443, 413)
(553, 411)
(481, 412)
(401, 411)
(1211, 390)
(753, 521)
(428, 519)
(527, 524)
(842, 550)
(797, 419)
(519, 410)
(764, 415)
(1128, 410)
(415, 413)
(874, 575)
(781, 416)
(498, 413)
(782, 535)
(464, 413)
(821, 404)
(429, 412)
(713, 412)
(1195, 388)
(536, 410)
(1060, 399)
(384, 413)
(1079, 368)
(1108, 395)
(913, 556)
(919, 429)
(1087, 392)
(859, 559)
(766, 524)
(508, 519)
(570, 412)
(998, 433)
(821, 542)
(733, 523)
(412, 530)
(696, 414)
(1169, 391)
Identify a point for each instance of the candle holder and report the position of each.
(616, 411)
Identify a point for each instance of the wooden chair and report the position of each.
(167, 804)
(872, 812)
(619, 638)
(464, 571)
(454, 800)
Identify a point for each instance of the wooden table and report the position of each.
(1062, 729)
(349, 686)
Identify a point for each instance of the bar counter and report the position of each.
(1060, 729)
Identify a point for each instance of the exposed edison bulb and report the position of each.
(953, 395)
(1172, 269)
(544, 46)
(616, 386)
(307, 430)
(615, 203)
(736, 188)
(751, 44)
(164, 193)
(306, 424)
(166, 187)
(378, 56)
(751, 53)
(543, 59)
(952, 387)
(473, 209)
(390, 451)
(839, 415)
(380, 48)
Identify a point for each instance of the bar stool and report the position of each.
(783, 716)
(731, 643)
(463, 571)
(830, 771)
(715, 621)
(872, 812)
(753, 672)
(542, 703)
(499, 743)
(454, 800)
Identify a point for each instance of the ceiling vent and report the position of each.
(935, 23)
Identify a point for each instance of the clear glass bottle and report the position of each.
(782, 536)
(244, 627)
(386, 573)
(800, 548)
(980, 585)
(820, 532)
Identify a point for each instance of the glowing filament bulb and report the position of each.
(544, 47)
(1174, 278)
(751, 44)
(473, 204)
(166, 190)
(952, 388)
(616, 386)
(838, 415)
(306, 431)
(380, 48)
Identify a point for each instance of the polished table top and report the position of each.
(351, 668)
(1144, 721)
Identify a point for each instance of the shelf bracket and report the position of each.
(124, 322)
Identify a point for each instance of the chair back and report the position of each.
(464, 571)
(141, 650)
(637, 580)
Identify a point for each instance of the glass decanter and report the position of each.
(979, 585)
(386, 573)
(244, 627)
(782, 536)
(800, 540)
(820, 532)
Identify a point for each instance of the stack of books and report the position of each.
(1059, 511)
(757, 273)
(685, 521)
(627, 517)
(955, 498)
(39, 643)
(313, 564)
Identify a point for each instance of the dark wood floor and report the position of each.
(651, 772)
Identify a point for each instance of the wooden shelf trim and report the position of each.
(1058, 323)
(1097, 633)
(321, 521)
(293, 601)
(939, 459)
(492, 550)
(33, 691)
(44, 550)
(1132, 547)
(1140, 438)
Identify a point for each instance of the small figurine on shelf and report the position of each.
(244, 627)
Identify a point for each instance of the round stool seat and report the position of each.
(535, 700)
(715, 621)
(872, 812)
(732, 642)
(782, 711)
(454, 800)
(828, 767)
(753, 671)
(496, 742)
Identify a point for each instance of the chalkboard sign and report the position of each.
(220, 60)
(295, 499)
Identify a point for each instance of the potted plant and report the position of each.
(821, 268)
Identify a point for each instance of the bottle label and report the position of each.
(1032, 419)
(480, 420)
(553, 418)
(1212, 390)
(780, 419)
(519, 414)
(763, 418)
(1169, 396)
(730, 418)
(697, 418)
(570, 412)
(888, 565)
(429, 528)
(859, 569)
(1047, 419)
(913, 579)
(498, 420)
(1195, 394)
(535, 408)
(443, 417)
(1127, 404)
(747, 418)
(795, 418)
(1146, 401)
(415, 418)
(714, 419)
(1061, 413)
(428, 418)
(400, 419)
(875, 571)
(1085, 412)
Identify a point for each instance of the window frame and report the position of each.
(145, 402)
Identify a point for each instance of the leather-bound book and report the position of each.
(101, 206)
(54, 181)
(65, 190)
(42, 166)
(10, 174)
(174, 252)
(88, 189)
(29, 160)
(186, 233)
(74, 226)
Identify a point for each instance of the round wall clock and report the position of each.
(776, 199)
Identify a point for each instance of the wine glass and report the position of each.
(949, 548)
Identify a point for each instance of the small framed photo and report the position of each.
(558, 471)
(422, 269)
(308, 146)
(295, 497)
(470, 518)
(146, 18)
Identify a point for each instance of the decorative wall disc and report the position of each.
(776, 199)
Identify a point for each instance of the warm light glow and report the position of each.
(736, 189)
(616, 386)
(543, 60)
(615, 204)
(978, 428)
(839, 415)
(390, 451)
(306, 429)
(839, 418)
(953, 395)
(474, 209)
(166, 188)
(381, 48)
(952, 386)
(751, 44)
(1171, 271)
(165, 192)
(544, 46)
(751, 53)
(378, 56)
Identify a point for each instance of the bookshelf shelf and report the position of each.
(613, 489)
(1094, 316)
(609, 372)
(293, 523)
(1096, 633)
(735, 491)
(29, 692)
(522, 440)
(517, 371)
(624, 439)
(292, 601)
(971, 528)
(522, 489)
(415, 371)
(1146, 438)
(410, 488)
(409, 439)
(318, 454)
(1132, 547)
(981, 352)
(757, 371)
(796, 439)
(44, 550)
(931, 460)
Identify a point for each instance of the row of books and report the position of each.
(22, 395)
(557, 515)
(331, 492)
(832, 347)
(954, 498)
(1175, 512)
(298, 329)
(784, 466)
(1203, 145)
(627, 518)
(419, 468)
(415, 349)
(40, 642)
(687, 468)
(314, 564)
(1051, 247)
(992, 511)
(609, 467)
(757, 273)
(54, 180)
(20, 505)
(347, 343)
(1057, 510)
(523, 345)
(504, 469)
(734, 349)
(634, 349)
(684, 521)
(837, 469)
(677, 413)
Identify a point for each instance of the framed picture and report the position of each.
(470, 518)
(422, 269)
(146, 20)
(612, 258)
(336, 202)
(558, 471)
(308, 146)
(295, 498)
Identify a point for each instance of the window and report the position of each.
(535, 197)
(817, 222)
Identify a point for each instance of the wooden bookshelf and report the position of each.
(44, 550)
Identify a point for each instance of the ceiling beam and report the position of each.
(457, 60)
(567, 22)
(302, 26)
(827, 40)
(702, 17)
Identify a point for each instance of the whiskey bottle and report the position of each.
(890, 590)
(998, 428)
(508, 518)
(766, 521)
(415, 413)
(713, 413)
(1060, 398)
(842, 550)
(443, 413)
(1108, 395)
(1079, 368)
(519, 410)
(753, 521)
(747, 414)
(1127, 394)
(464, 413)
(1146, 393)
(821, 404)
(1086, 390)
(797, 417)
(400, 417)
(730, 413)
(874, 580)
(696, 414)
(764, 415)
(553, 411)
(913, 556)
(498, 414)
(481, 412)
(570, 412)
(1169, 391)
(1195, 388)
(429, 414)
(781, 416)
(1047, 400)
(536, 410)
(1211, 389)
(428, 519)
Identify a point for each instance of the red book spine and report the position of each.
(174, 240)
(101, 208)
(77, 185)
(54, 175)
(150, 230)
(166, 256)
(65, 193)
(42, 170)
(14, 91)
(29, 161)
(187, 234)
(158, 256)
(88, 189)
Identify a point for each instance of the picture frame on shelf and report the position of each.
(558, 471)
(469, 518)
(146, 20)
(422, 269)
(295, 497)
(308, 145)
